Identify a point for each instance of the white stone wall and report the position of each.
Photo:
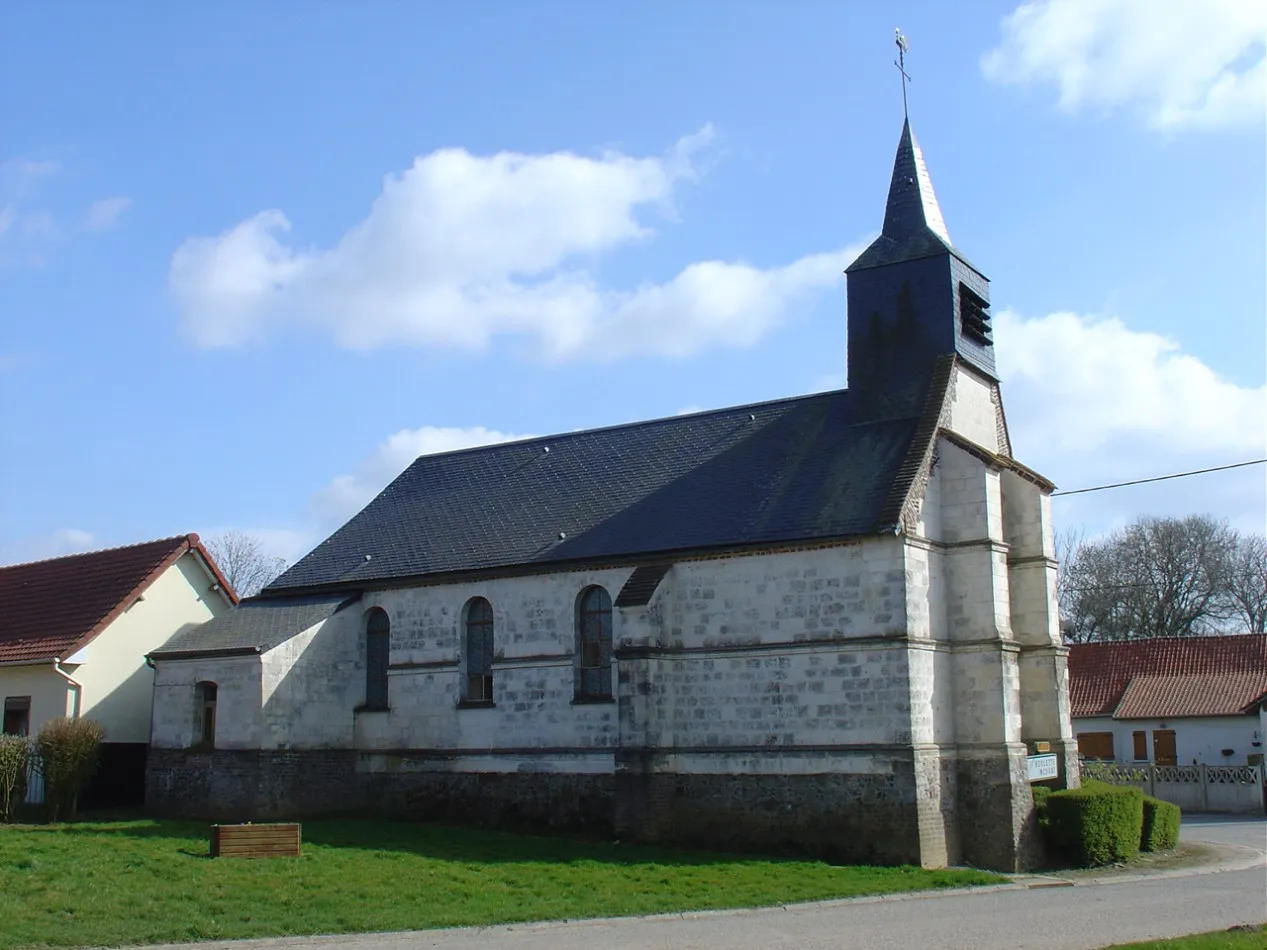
(974, 414)
(534, 637)
(239, 703)
(312, 684)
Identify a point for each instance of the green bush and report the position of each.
(1041, 794)
(1161, 825)
(1096, 824)
(15, 752)
(69, 750)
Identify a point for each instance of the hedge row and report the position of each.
(1102, 824)
(1161, 825)
(1096, 824)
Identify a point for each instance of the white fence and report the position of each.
(1234, 789)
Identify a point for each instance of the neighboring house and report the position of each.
(74, 634)
(1171, 701)
(826, 623)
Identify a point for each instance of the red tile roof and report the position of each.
(1218, 673)
(1198, 694)
(53, 608)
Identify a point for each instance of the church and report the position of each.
(824, 625)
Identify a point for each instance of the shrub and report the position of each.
(15, 752)
(1041, 794)
(69, 750)
(1161, 825)
(1096, 824)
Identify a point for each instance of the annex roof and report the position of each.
(809, 468)
(50, 609)
(1173, 676)
(254, 626)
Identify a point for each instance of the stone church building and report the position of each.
(824, 624)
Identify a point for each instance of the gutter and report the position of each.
(76, 687)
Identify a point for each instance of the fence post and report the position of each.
(1205, 788)
(1152, 781)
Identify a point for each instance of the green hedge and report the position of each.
(1096, 824)
(1161, 825)
(1041, 794)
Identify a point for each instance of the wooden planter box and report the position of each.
(255, 841)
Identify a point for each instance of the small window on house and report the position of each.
(205, 694)
(17, 715)
(1140, 741)
(478, 653)
(594, 645)
(378, 635)
(974, 316)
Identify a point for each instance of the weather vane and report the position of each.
(900, 63)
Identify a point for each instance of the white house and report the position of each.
(74, 634)
(825, 624)
(1171, 701)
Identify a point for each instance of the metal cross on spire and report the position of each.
(900, 63)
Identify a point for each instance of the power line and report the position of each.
(1160, 478)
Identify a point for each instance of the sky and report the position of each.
(255, 258)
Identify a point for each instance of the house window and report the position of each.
(974, 316)
(478, 658)
(205, 696)
(378, 634)
(1095, 745)
(1140, 741)
(594, 645)
(17, 715)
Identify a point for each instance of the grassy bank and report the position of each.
(1250, 938)
(152, 882)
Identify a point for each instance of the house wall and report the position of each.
(1198, 741)
(50, 694)
(118, 685)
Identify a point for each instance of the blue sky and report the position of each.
(254, 258)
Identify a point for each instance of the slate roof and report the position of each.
(53, 608)
(254, 626)
(812, 467)
(913, 224)
(1102, 674)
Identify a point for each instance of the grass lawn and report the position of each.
(1249, 939)
(110, 884)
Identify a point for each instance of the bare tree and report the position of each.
(1068, 543)
(243, 562)
(1158, 577)
(1246, 590)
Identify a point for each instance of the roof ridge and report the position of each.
(658, 420)
(191, 537)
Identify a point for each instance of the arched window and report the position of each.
(205, 712)
(378, 635)
(594, 645)
(478, 655)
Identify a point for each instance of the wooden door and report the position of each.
(1164, 747)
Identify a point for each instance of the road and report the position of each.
(1079, 917)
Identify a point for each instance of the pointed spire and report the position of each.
(912, 205)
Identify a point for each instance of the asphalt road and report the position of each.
(1079, 917)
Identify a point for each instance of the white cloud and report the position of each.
(347, 494)
(1091, 401)
(460, 248)
(105, 213)
(57, 543)
(1183, 63)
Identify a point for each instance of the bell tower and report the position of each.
(912, 295)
